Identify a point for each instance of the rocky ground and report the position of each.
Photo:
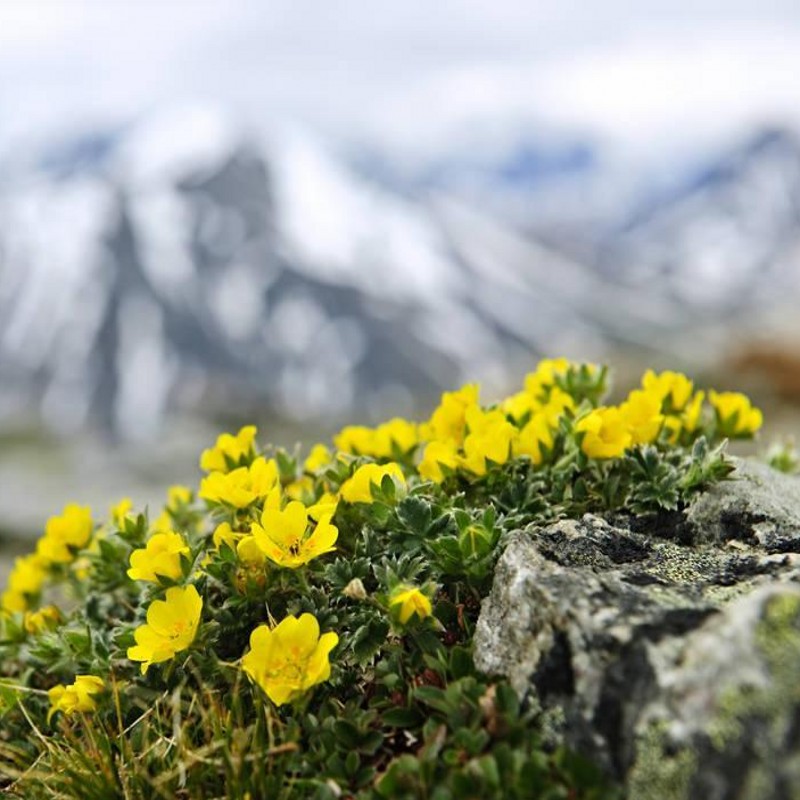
(667, 649)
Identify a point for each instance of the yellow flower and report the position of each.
(229, 449)
(448, 421)
(78, 696)
(66, 534)
(672, 388)
(224, 534)
(161, 557)
(520, 404)
(545, 375)
(25, 581)
(688, 420)
(356, 439)
(410, 600)
(242, 486)
(736, 416)
(436, 456)
(492, 445)
(479, 421)
(243, 544)
(282, 535)
(171, 627)
(163, 522)
(325, 506)
(605, 433)
(532, 438)
(249, 552)
(357, 488)
(397, 433)
(120, 511)
(286, 661)
(490, 437)
(300, 489)
(12, 602)
(642, 414)
(319, 457)
(558, 403)
(41, 620)
(691, 416)
(380, 442)
(178, 496)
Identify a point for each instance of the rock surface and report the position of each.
(668, 651)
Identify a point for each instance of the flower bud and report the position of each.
(355, 590)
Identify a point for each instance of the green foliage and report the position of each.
(403, 712)
(783, 456)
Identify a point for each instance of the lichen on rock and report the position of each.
(671, 646)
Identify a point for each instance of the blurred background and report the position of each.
(306, 213)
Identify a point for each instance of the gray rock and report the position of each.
(725, 723)
(674, 665)
(761, 506)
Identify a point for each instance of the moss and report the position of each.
(746, 718)
(778, 635)
(659, 773)
(733, 706)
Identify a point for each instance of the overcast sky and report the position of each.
(413, 75)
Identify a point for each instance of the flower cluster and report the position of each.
(64, 537)
(339, 576)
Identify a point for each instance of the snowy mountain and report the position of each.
(726, 238)
(180, 260)
(184, 263)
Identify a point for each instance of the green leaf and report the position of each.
(433, 697)
(415, 513)
(402, 718)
